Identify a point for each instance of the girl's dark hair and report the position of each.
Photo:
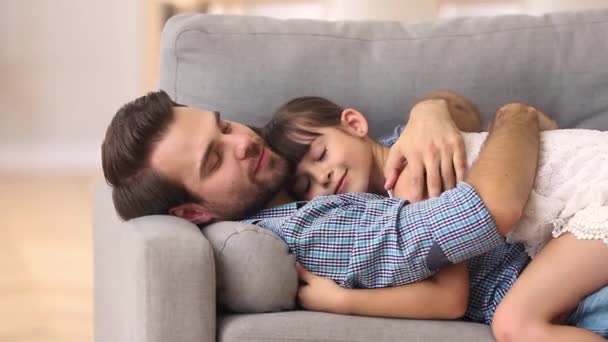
(288, 132)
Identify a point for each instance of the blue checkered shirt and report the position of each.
(368, 241)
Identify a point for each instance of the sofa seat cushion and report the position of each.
(318, 326)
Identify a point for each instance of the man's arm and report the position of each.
(444, 296)
(432, 145)
(504, 173)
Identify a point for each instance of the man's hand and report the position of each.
(320, 294)
(431, 149)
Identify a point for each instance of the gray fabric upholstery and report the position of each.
(247, 67)
(155, 277)
(317, 326)
(255, 271)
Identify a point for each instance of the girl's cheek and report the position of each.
(316, 192)
(309, 196)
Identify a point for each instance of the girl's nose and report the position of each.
(323, 177)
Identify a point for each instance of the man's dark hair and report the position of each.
(288, 132)
(131, 137)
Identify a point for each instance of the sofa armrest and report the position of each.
(154, 278)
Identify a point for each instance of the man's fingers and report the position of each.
(460, 164)
(391, 179)
(393, 167)
(393, 176)
(448, 176)
(433, 176)
(415, 180)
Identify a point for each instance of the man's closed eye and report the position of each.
(218, 162)
(226, 128)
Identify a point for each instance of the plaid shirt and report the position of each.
(367, 241)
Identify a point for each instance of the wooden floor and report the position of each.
(46, 264)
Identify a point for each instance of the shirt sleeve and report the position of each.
(390, 140)
(369, 241)
(460, 224)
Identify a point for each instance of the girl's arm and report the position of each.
(463, 112)
(444, 296)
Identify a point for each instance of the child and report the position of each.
(334, 155)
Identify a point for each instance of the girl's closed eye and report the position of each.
(323, 154)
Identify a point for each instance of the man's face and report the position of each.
(224, 162)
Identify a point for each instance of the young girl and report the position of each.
(334, 155)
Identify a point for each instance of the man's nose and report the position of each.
(244, 146)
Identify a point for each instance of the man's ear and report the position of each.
(355, 122)
(193, 212)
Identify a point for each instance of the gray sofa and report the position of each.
(155, 277)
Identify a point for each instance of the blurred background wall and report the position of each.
(66, 66)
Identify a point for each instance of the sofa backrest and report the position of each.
(246, 67)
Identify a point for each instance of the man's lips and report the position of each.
(340, 182)
(261, 160)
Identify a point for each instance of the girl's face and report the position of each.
(339, 160)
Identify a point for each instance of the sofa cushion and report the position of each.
(317, 326)
(245, 67)
(255, 272)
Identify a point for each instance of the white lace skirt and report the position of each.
(570, 192)
(586, 221)
(585, 215)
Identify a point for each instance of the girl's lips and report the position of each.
(341, 182)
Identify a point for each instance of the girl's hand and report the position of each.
(429, 156)
(545, 123)
(320, 294)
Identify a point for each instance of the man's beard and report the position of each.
(253, 201)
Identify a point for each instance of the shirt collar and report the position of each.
(279, 210)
